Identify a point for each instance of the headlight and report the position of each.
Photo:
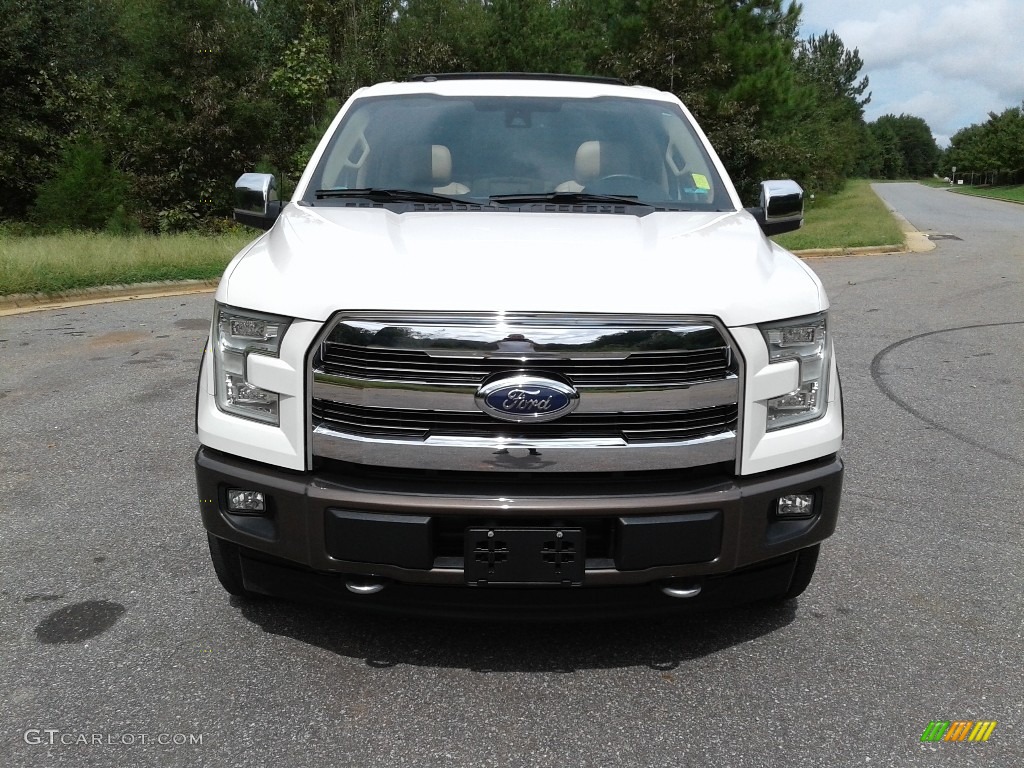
(805, 340)
(237, 334)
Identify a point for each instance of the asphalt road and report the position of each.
(115, 636)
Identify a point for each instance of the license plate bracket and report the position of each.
(524, 556)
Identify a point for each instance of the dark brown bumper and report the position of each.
(410, 529)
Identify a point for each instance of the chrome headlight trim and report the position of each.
(806, 340)
(238, 333)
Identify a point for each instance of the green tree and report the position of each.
(538, 36)
(1008, 127)
(86, 192)
(994, 148)
(192, 108)
(302, 81)
(906, 147)
(968, 149)
(826, 143)
(834, 71)
(702, 50)
(183, 95)
(888, 162)
(56, 68)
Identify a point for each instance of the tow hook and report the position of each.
(681, 590)
(363, 586)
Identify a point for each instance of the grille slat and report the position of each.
(335, 349)
(636, 369)
(632, 427)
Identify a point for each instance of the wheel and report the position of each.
(227, 565)
(806, 561)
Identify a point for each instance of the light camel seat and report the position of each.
(441, 167)
(424, 167)
(594, 160)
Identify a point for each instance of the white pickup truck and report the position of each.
(515, 344)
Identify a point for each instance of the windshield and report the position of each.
(478, 149)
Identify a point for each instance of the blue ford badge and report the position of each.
(527, 399)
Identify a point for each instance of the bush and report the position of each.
(86, 192)
(120, 223)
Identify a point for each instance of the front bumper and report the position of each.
(410, 528)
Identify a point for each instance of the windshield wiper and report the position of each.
(568, 198)
(385, 195)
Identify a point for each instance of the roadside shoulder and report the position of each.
(19, 303)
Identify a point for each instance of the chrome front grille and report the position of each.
(399, 390)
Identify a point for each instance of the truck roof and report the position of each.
(430, 78)
(515, 84)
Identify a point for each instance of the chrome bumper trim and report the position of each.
(427, 397)
(519, 455)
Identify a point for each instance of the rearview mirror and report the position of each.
(782, 207)
(256, 202)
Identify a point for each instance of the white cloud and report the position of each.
(950, 62)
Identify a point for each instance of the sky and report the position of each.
(950, 62)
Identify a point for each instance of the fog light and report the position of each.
(246, 502)
(795, 505)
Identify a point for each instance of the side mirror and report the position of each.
(782, 207)
(256, 202)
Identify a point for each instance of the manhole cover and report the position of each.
(936, 236)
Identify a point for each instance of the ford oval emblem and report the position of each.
(527, 399)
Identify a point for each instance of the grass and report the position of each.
(1015, 194)
(62, 262)
(854, 218)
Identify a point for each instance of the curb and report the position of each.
(20, 303)
(867, 250)
(916, 241)
(985, 197)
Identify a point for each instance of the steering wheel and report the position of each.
(627, 184)
(614, 177)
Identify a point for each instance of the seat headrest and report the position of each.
(595, 159)
(419, 166)
(441, 164)
(588, 161)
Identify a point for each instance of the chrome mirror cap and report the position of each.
(782, 206)
(256, 201)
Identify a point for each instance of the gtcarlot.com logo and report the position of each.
(958, 730)
(56, 737)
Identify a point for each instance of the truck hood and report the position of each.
(316, 261)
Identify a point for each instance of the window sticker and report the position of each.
(701, 186)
